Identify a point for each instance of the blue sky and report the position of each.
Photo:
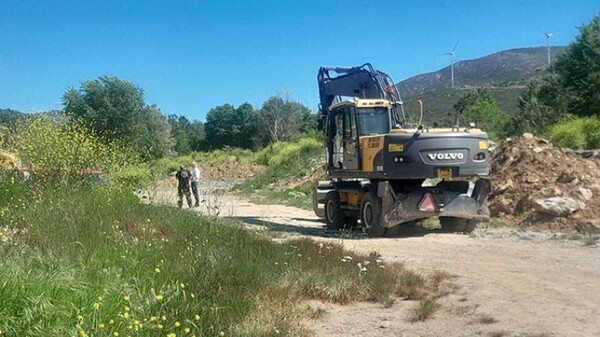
(190, 56)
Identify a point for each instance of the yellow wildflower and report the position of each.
(101, 326)
(197, 317)
(177, 324)
(126, 298)
(186, 330)
(159, 297)
(157, 270)
(96, 305)
(126, 315)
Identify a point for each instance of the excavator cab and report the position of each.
(350, 121)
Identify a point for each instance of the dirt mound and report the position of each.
(311, 177)
(229, 171)
(540, 185)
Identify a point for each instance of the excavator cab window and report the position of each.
(373, 121)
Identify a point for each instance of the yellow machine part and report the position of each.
(369, 147)
(351, 198)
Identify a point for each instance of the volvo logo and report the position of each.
(446, 156)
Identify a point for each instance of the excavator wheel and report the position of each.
(334, 215)
(370, 215)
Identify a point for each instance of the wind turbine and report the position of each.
(548, 36)
(452, 59)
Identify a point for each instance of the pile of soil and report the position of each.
(229, 171)
(529, 171)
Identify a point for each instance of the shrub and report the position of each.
(62, 150)
(577, 133)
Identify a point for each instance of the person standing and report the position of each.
(195, 182)
(183, 186)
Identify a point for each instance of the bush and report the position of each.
(60, 151)
(578, 133)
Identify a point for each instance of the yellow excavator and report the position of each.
(385, 172)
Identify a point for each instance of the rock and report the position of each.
(565, 178)
(582, 193)
(537, 149)
(557, 206)
(528, 135)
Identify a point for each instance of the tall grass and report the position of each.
(91, 260)
(286, 161)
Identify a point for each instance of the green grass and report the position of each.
(287, 162)
(92, 260)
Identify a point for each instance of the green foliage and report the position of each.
(479, 107)
(572, 87)
(286, 160)
(578, 68)
(230, 126)
(115, 110)
(188, 135)
(92, 261)
(540, 106)
(280, 119)
(577, 133)
(61, 151)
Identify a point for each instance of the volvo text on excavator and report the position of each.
(385, 170)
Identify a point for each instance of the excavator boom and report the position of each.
(362, 82)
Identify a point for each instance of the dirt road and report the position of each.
(505, 286)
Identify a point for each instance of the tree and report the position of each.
(578, 70)
(115, 110)
(479, 107)
(228, 126)
(280, 119)
(188, 135)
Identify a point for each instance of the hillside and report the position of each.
(504, 73)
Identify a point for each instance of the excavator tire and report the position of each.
(334, 215)
(370, 215)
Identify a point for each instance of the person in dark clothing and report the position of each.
(183, 186)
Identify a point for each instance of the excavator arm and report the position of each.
(362, 82)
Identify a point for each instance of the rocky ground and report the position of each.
(536, 184)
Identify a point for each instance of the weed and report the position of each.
(411, 285)
(485, 319)
(423, 310)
